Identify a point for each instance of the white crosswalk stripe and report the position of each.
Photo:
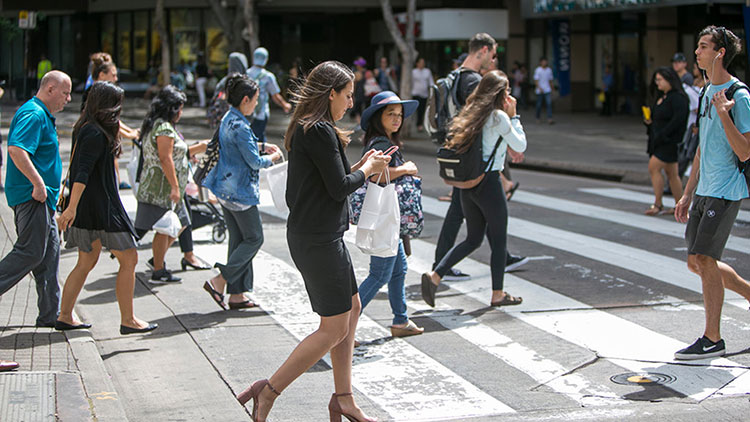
(644, 198)
(409, 384)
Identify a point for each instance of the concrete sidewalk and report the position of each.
(61, 374)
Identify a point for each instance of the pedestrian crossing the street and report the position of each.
(557, 350)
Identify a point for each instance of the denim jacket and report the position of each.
(235, 177)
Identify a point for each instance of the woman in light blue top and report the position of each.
(234, 181)
(491, 110)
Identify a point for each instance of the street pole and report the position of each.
(25, 61)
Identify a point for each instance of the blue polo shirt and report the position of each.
(33, 130)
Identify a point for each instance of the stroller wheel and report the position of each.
(218, 233)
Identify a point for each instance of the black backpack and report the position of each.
(442, 106)
(742, 166)
(466, 169)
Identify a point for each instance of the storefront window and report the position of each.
(140, 41)
(185, 35)
(217, 47)
(108, 33)
(124, 46)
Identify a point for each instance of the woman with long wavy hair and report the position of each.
(320, 179)
(488, 116)
(95, 217)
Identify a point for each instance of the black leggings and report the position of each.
(485, 211)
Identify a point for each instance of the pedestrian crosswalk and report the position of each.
(556, 350)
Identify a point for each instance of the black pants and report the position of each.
(486, 212)
(420, 110)
(186, 237)
(451, 226)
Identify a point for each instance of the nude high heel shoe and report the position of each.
(253, 392)
(334, 410)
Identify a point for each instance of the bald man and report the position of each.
(32, 186)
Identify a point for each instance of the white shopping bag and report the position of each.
(379, 221)
(276, 178)
(132, 167)
(168, 224)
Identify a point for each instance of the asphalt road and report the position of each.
(607, 296)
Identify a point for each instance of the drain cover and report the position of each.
(642, 378)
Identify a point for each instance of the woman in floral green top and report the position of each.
(164, 174)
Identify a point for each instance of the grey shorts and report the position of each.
(709, 224)
(83, 238)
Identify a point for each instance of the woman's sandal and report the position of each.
(411, 329)
(654, 209)
(511, 191)
(508, 300)
(215, 295)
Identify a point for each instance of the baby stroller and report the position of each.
(203, 211)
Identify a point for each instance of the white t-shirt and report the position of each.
(421, 79)
(544, 76)
(693, 93)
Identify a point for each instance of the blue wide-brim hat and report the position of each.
(383, 99)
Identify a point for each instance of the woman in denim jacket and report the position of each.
(234, 181)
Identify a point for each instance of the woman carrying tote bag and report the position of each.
(382, 122)
(320, 179)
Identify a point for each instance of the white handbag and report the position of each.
(379, 220)
(276, 178)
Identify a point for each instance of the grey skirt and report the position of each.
(83, 238)
(148, 214)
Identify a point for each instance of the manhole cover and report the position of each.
(641, 378)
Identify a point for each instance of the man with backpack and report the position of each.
(268, 88)
(723, 154)
(462, 82)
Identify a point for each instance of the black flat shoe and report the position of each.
(64, 326)
(185, 263)
(125, 330)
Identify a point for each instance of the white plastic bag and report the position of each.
(379, 221)
(276, 178)
(168, 224)
(132, 167)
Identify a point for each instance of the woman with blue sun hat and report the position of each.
(382, 122)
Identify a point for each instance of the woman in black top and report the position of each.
(95, 216)
(319, 182)
(665, 130)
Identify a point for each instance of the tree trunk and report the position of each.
(250, 32)
(406, 47)
(161, 29)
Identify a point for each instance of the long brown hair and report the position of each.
(312, 99)
(487, 97)
(103, 107)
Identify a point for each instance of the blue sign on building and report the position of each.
(560, 29)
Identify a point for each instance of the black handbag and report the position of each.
(209, 160)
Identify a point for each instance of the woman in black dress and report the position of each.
(95, 217)
(319, 181)
(665, 130)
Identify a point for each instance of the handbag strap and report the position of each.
(492, 157)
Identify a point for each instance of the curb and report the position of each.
(97, 383)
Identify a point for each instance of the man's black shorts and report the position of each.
(710, 221)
